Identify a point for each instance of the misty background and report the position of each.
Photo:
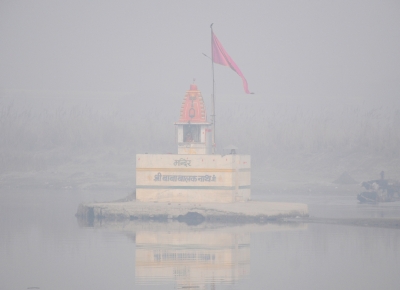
(85, 85)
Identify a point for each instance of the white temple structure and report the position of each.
(194, 174)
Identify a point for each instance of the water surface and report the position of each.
(43, 245)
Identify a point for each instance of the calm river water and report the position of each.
(42, 246)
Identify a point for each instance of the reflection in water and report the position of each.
(192, 258)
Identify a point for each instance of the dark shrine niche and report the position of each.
(191, 133)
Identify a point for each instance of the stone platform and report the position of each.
(239, 212)
(193, 178)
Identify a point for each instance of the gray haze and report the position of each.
(325, 49)
(81, 76)
(85, 85)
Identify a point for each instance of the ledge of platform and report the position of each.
(240, 212)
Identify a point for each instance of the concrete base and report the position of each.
(244, 212)
(193, 178)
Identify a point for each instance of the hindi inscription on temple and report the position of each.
(185, 178)
(182, 162)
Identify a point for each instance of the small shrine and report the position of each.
(193, 133)
(194, 174)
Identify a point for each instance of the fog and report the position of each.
(87, 85)
(96, 78)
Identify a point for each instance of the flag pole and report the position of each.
(213, 91)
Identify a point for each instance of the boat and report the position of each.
(380, 190)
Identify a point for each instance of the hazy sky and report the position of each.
(318, 49)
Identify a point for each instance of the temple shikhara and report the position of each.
(194, 174)
(194, 135)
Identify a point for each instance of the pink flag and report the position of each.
(220, 56)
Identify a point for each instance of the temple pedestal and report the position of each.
(192, 178)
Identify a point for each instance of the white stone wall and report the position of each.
(192, 148)
(192, 178)
(180, 134)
